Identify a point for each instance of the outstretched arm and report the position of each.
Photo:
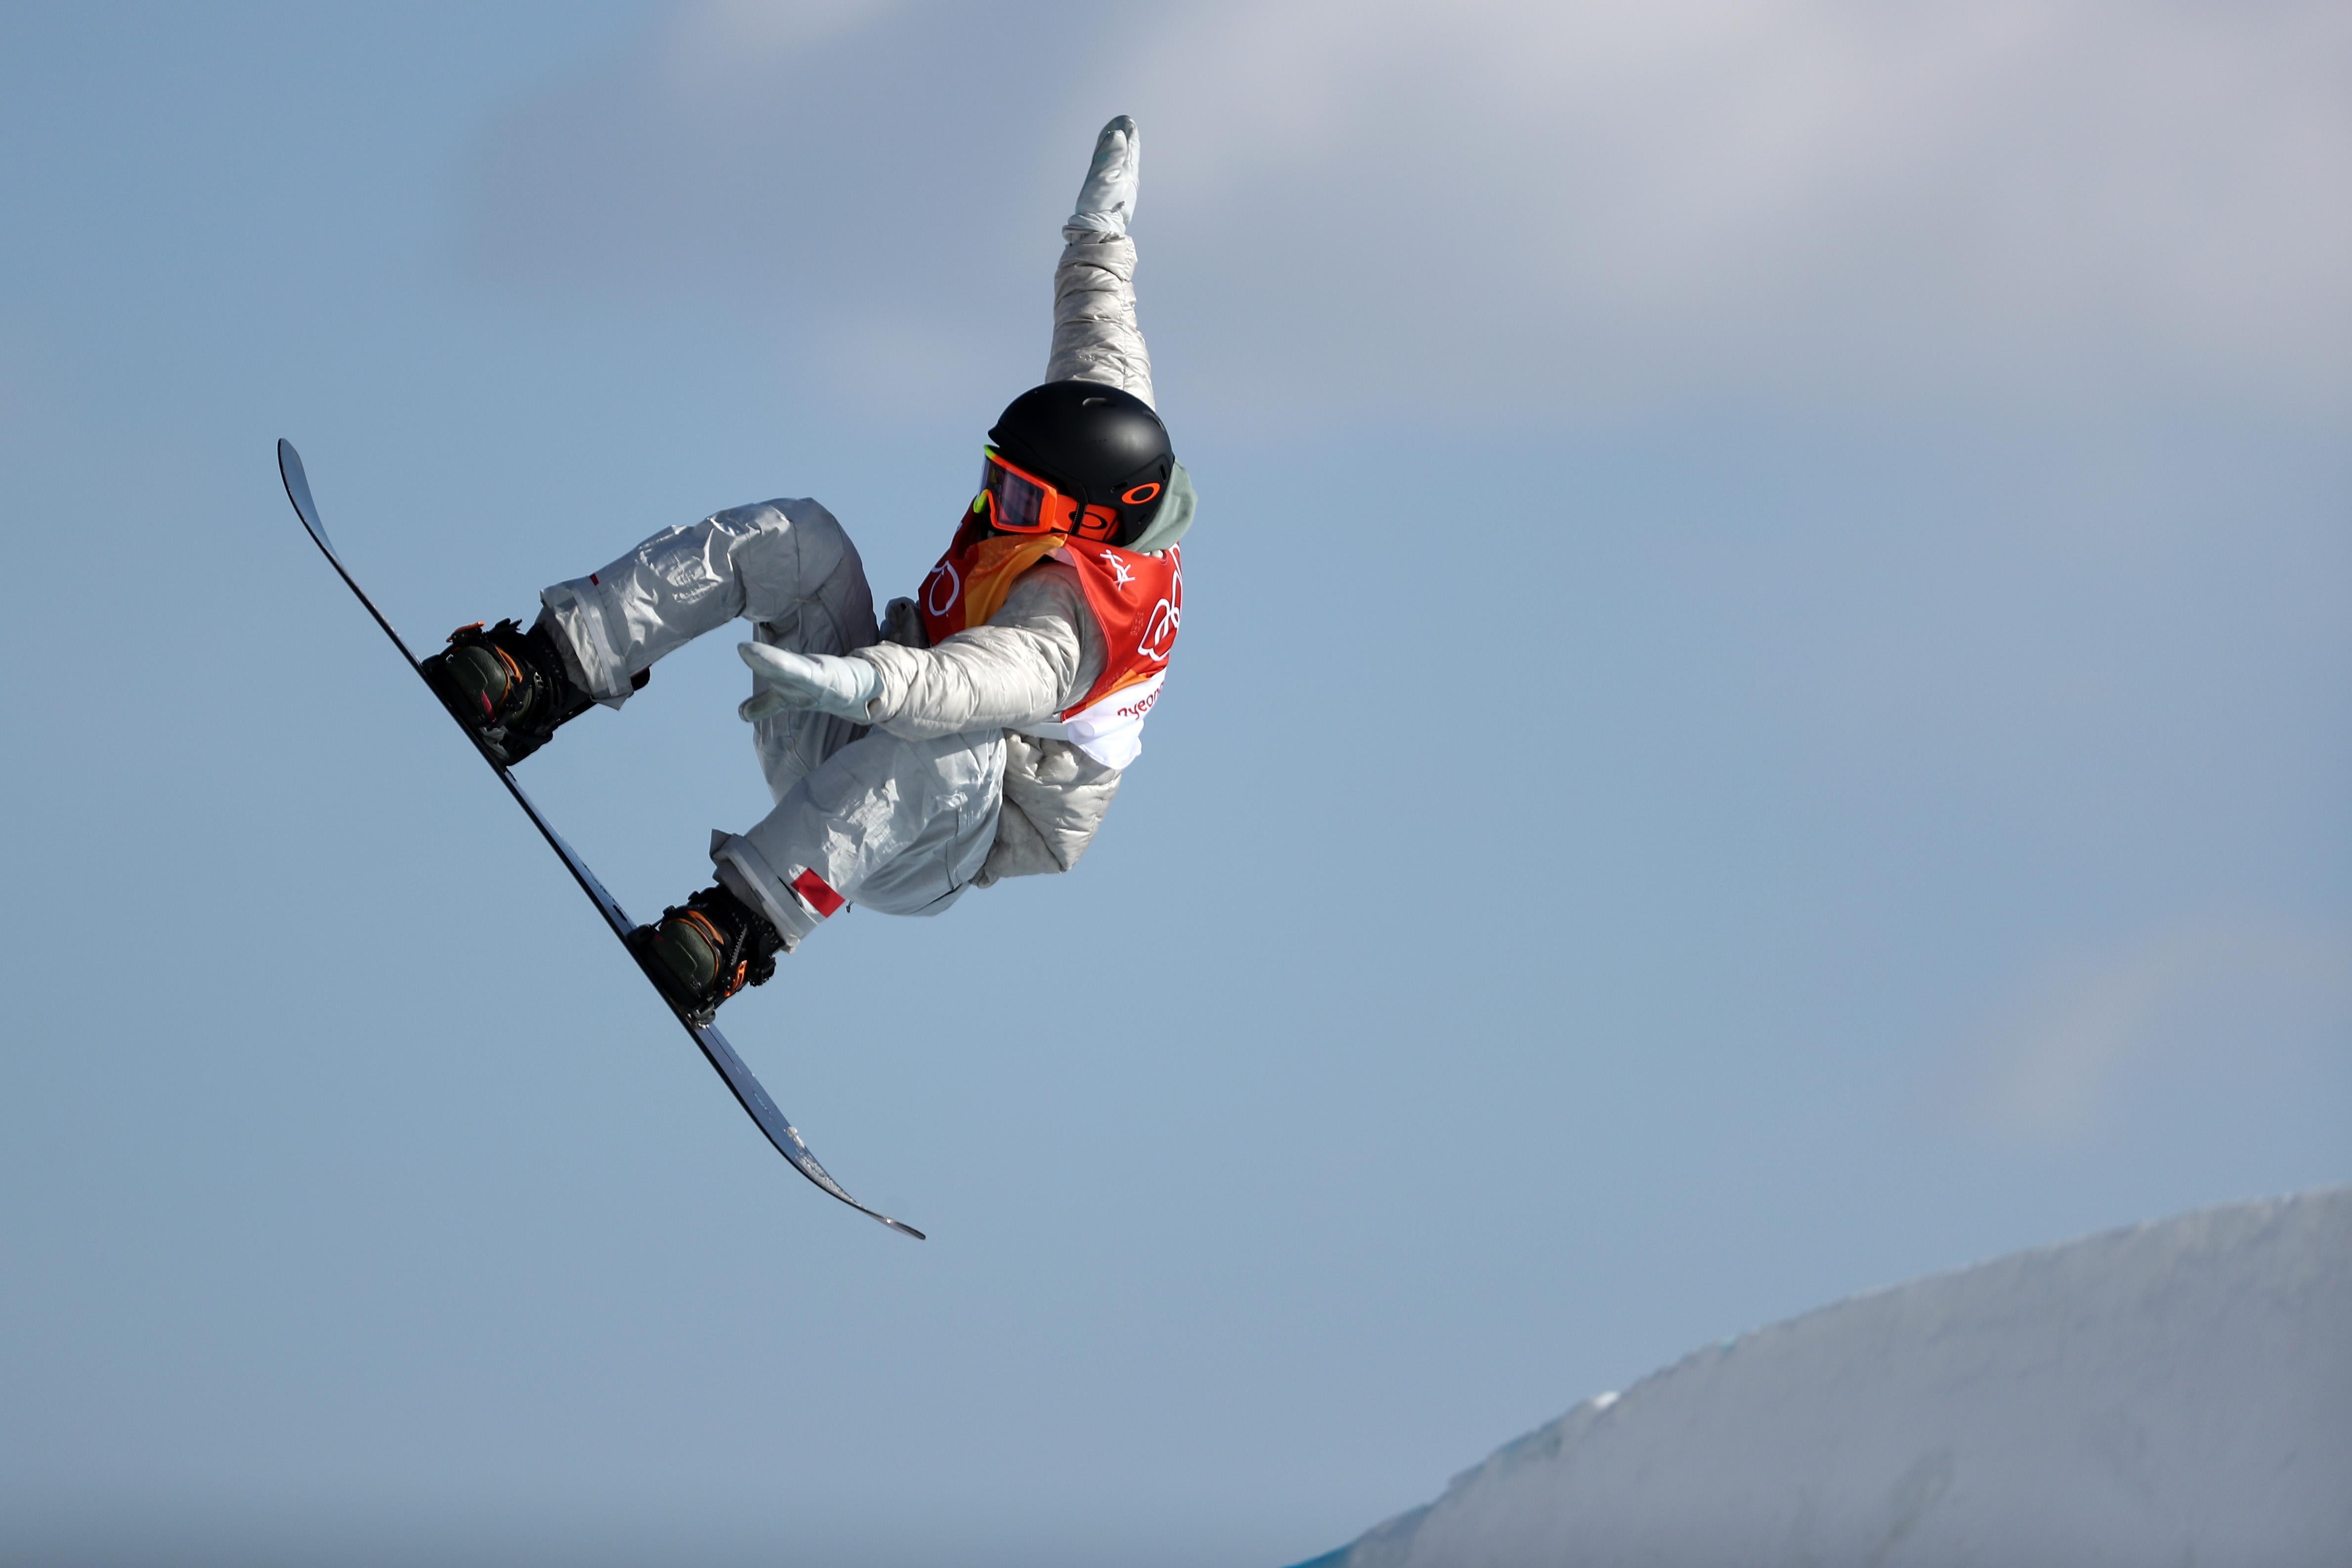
(1094, 334)
(1036, 655)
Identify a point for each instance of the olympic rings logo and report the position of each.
(942, 575)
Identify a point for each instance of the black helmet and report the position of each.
(1096, 444)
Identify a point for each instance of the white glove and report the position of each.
(1107, 201)
(842, 687)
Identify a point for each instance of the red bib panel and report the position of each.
(1138, 601)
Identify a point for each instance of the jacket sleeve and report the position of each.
(1037, 654)
(1095, 333)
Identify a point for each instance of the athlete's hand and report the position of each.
(784, 680)
(1107, 200)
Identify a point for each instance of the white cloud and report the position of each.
(2202, 991)
(1581, 202)
(1674, 193)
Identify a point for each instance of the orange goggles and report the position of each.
(1015, 501)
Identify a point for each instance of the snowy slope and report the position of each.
(2180, 1392)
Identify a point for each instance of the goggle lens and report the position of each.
(1022, 503)
(1019, 503)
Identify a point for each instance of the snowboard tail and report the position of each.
(715, 1049)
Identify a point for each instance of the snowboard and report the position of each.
(714, 1046)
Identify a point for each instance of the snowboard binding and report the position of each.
(507, 686)
(704, 950)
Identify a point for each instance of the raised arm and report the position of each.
(1094, 334)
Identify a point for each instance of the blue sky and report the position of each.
(1765, 712)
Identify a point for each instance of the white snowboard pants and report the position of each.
(898, 826)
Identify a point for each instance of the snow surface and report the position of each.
(2178, 1393)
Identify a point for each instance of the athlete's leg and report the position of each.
(785, 565)
(902, 826)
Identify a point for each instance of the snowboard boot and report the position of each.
(706, 950)
(507, 686)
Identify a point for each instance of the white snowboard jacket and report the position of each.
(1037, 654)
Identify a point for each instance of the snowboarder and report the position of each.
(980, 730)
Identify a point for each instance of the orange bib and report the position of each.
(1138, 601)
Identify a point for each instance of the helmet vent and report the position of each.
(1094, 402)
